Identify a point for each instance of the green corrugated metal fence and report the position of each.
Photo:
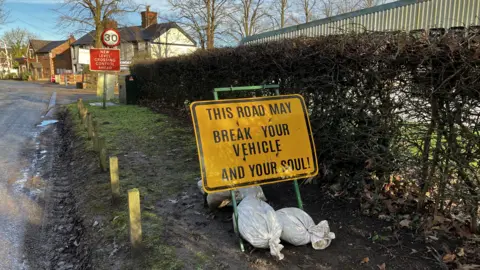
(404, 15)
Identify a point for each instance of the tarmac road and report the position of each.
(24, 162)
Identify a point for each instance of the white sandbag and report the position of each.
(220, 199)
(299, 229)
(224, 198)
(258, 224)
(200, 186)
(255, 191)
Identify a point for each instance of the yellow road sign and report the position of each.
(253, 141)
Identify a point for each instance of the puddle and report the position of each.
(47, 122)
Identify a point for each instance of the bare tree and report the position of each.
(327, 8)
(281, 6)
(203, 18)
(249, 17)
(372, 3)
(17, 39)
(307, 9)
(345, 6)
(93, 14)
(3, 12)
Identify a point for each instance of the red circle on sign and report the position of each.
(110, 37)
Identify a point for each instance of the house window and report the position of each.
(30, 53)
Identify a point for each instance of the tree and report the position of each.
(202, 18)
(327, 8)
(345, 6)
(17, 39)
(93, 14)
(372, 3)
(281, 6)
(249, 17)
(307, 8)
(3, 12)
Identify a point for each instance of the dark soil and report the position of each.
(192, 226)
(204, 239)
(57, 241)
(65, 229)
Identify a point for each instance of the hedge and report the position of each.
(384, 106)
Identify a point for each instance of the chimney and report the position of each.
(109, 23)
(71, 39)
(148, 17)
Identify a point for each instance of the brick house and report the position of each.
(46, 58)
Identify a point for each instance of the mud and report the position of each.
(198, 234)
(57, 241)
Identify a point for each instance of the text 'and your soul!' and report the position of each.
(239, 139)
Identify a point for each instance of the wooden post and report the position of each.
(79, 106)
(114, 179)
(89, 126)
(84, 116)
(85, 120)
(102, 153)
(135, 218)
(95, 135)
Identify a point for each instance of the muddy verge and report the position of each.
(63, 230)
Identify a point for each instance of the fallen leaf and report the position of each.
(405, 223)
(461, 252)
(413, 251)
(382, 266)
(224, 203)
(449, 257)
(365, 260)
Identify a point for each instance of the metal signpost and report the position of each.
(253, 141)
(106, 59)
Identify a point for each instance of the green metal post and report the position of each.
(235, 217)
(297, 193)
(295, 182)
(234, 202)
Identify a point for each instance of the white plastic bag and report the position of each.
(299, 229)
(224, 198)
(258, 224)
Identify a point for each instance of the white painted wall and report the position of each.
(76, 67)
(171, 43)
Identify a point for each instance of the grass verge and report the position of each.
(156, 155)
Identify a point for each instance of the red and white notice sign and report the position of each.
(104, 60)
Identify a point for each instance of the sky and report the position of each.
(40, 17)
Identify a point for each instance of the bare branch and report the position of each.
(92, 14)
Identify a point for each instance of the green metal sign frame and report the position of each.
(276, 88)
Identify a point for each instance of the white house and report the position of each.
(150, 40)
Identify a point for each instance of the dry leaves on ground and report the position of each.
(365, 260)
(450, 257)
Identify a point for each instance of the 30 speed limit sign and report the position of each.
(110, 38)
